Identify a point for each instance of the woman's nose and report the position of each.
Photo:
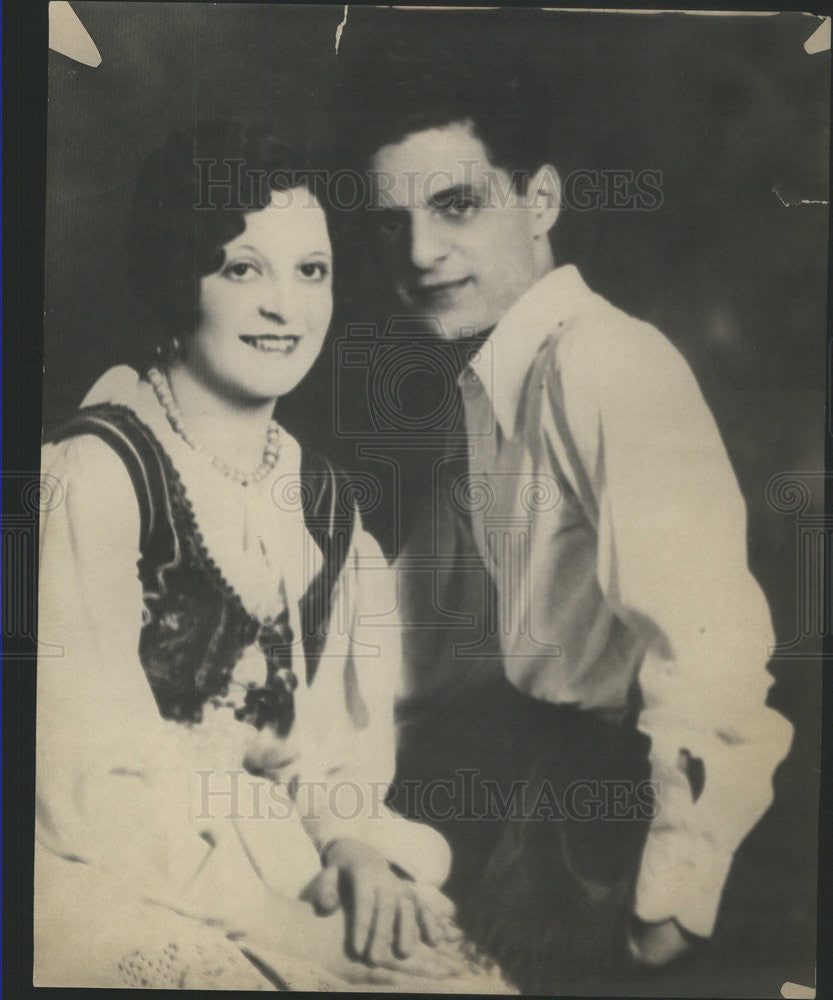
(273, 303)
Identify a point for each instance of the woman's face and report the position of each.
(264, 315)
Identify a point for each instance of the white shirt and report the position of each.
(607, 513)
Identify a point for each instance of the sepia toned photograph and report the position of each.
(431, 531)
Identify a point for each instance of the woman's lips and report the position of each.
(272, 343)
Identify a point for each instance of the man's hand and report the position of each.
(387, 916)
(657, 944)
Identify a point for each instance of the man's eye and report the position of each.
(241, 270)
(461, 206)
(314, 270)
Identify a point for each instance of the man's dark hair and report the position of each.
(394, 89)
(190, 201)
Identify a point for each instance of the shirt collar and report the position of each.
(543, 310)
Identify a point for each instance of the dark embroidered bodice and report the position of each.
(195, 627)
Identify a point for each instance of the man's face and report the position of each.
(455, 237)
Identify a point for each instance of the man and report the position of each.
(601, 501)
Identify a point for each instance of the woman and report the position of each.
(215, 739)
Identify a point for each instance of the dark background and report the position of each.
(730, 109)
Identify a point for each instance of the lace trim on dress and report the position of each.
(194, 965)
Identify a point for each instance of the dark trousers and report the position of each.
(546, 809)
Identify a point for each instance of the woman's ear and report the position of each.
(544, 198)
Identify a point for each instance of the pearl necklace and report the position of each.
(162, 390)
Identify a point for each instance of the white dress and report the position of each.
(158, 851)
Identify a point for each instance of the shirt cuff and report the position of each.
(685, 888)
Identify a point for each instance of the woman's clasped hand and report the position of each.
(388, 916)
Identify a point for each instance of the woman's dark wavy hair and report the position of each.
(190, 201)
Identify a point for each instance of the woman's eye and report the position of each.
(241, 270)
(314, 270)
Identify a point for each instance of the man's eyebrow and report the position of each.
(454, 192)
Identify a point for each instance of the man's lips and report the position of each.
(437, 289)
(271, 343)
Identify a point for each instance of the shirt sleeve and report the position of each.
(350, 766)
(106, 760)
(672, 564)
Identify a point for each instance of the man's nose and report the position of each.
(428, 242)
